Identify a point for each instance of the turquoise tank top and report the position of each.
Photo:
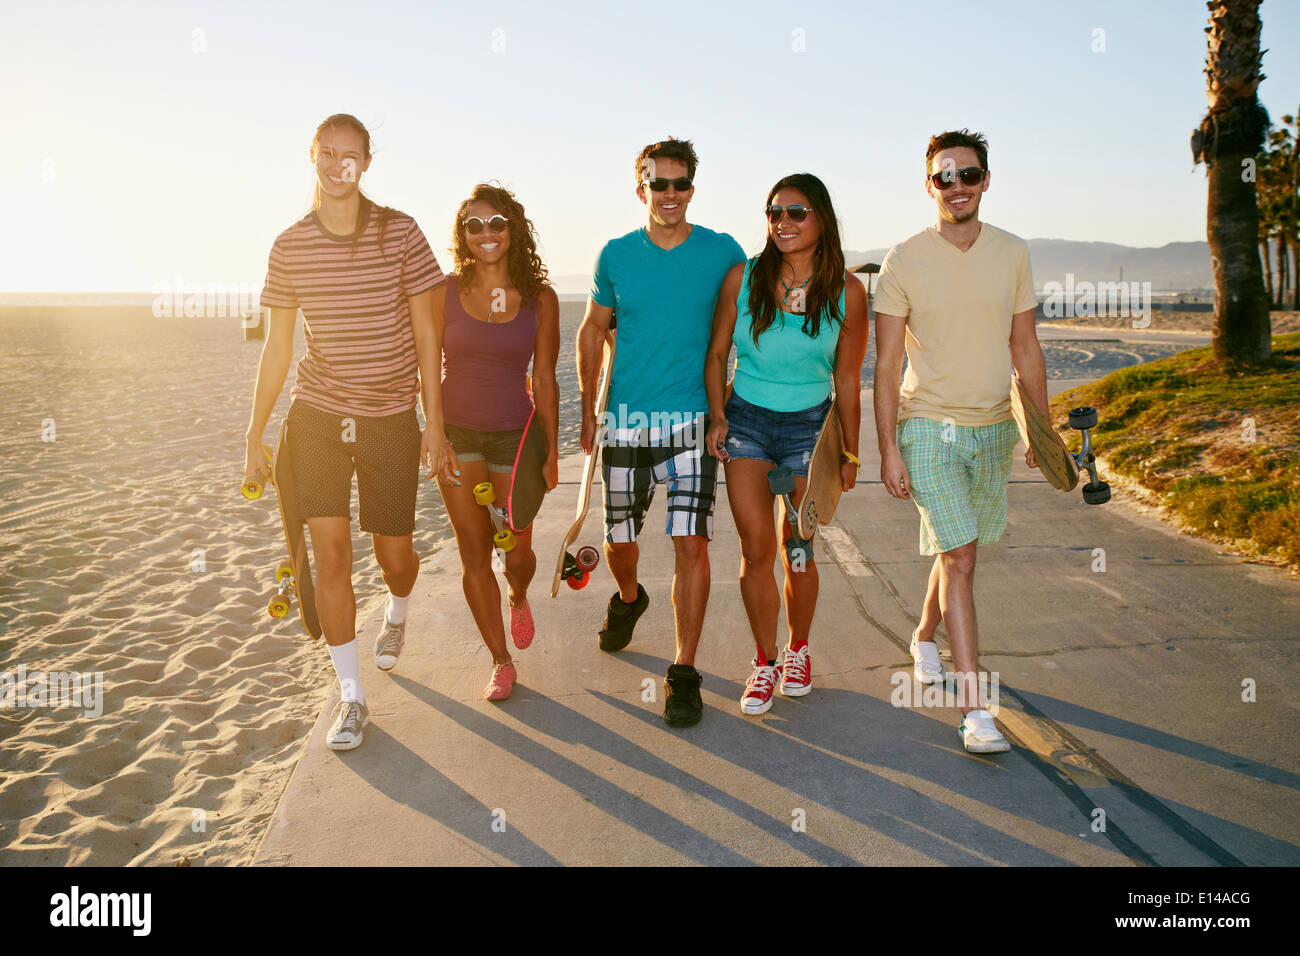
(788, 370)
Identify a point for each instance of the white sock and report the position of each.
(348, 669)
(396, 612)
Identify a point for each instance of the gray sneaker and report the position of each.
(388, 645)
(345, 732)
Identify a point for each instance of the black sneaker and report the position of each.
(682, 704)
(620, 618)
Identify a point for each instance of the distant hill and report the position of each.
(1176, 266)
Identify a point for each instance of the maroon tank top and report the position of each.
(485, 366)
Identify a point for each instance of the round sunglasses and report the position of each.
(474, 225)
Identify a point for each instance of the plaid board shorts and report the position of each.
(631, 472)
(959, 478)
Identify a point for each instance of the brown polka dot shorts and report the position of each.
(384, 453)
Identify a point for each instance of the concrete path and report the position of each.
(1122, 691)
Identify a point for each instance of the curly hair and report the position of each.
(523, 264)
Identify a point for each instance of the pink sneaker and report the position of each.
(796, 672)
(521, 626)
(502, 682)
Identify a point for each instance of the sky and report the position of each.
(155, 140)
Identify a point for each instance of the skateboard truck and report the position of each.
(279, 605)
(578, 568)
(503, 539)
(1084, 419)
(797, 549)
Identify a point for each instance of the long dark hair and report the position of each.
(366, 204)
(827, 280)
(523, 264)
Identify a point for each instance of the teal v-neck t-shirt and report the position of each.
(663, 300)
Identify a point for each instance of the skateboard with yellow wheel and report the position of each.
(293, 575)
(503, 539)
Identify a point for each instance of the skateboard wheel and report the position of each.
(781, 481)
(1096, 494)
(1083, 417)
(252, 490)
(504, 540)
(578, 580)
(279, 607)
(588, 557)
(285, 570)
(484, 493)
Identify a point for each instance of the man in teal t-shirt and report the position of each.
(662, 281)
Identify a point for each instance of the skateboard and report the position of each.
(822, 492)
(293, 575)
(503, 538)
(797, 548)
(1058, 465)
(576, 568)
(527, 480)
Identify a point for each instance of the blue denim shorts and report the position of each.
(783, 438)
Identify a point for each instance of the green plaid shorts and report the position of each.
(959, 477)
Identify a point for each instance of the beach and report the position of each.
(128, 553)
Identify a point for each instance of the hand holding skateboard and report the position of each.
(1048, 453)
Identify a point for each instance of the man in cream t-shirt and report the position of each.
(959, 299)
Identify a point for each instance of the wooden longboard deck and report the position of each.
(527, 481)
(295, 532)
(1054, 459)
(822, 492)
(588, 466)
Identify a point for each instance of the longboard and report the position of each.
(566, 564)
(527, 480)
(298, 577)
(1053, 458)
(1057, 463)
(822, 492)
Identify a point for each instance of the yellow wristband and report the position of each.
(849, 456)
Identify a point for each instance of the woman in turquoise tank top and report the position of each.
(799, 324)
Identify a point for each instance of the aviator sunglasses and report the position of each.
(947, 177)
(681, 184)
(796, 212)
(474, 225)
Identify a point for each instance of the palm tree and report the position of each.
(1228, 140)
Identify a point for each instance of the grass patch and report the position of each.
(1182, 427)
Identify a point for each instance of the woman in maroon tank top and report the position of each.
(497, 314)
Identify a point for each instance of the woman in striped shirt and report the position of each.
(493, 317)
(364, 278)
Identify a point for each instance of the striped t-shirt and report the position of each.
(360, 351)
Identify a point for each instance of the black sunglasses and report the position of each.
(947, 177)
(796, 212)
(474, 225)
(681, 184)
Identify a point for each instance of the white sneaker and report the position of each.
(981, 735)
(926, 666)
(388, 645)
(345, 732)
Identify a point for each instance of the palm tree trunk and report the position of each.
(1268, 268)
(1229, 139)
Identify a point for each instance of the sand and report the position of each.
(125, 550)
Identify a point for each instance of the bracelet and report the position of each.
(849, 456)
